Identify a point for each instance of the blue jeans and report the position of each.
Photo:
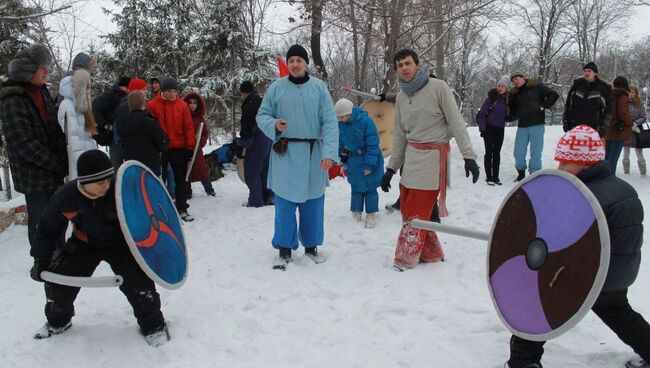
(369, 198)
(535, 136)
(613, 152)
(207, 185)
(310, 230)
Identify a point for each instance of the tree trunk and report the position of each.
(316, 29)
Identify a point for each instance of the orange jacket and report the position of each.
(175, 119)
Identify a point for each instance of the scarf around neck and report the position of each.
(420, 79)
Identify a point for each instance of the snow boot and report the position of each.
(186, 216)
(637, 364)
(521, 176)
(48, 331)
(283, 260)
(312, 253)
(356, 216)
(642, 168)
(158, 337)
(497, 181)
(370, 221)
(626, 166)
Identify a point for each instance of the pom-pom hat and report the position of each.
(580, 145)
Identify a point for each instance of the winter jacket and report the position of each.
(175, 119)
(142, 139)
(624, 214)
(587, 103)
(428, 116)
(359, 136)
(199, 170)
(249, 109)
(620, 117)
(637, 113)
(104, 108)
(36, 148)
(308, 109)
(95, 221)
(73, 125)
(529, 102)
(494, 112)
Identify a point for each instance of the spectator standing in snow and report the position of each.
(36, 144)
(624, 214)
(426, 118)
(588, 102)
(491, 122)
(361, 157)
(89, 203)
(258, 148)
(297, 113)
(104, 108)
(620, 127)
(199, 171)
(637, 113)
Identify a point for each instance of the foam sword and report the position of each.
(94, 282)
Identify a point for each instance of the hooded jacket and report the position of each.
(494, 112)
(620, 117)
(199, 170)
(529, 102)
(142, 139)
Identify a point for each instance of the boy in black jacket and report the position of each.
(89, 203)
(142, 137)
(581, 153)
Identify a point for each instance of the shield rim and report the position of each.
(129, 238)
(599, 280)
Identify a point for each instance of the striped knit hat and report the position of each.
(94, 166)
(581, 145)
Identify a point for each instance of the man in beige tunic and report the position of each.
(426, 118)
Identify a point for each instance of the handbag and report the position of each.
(643, 137)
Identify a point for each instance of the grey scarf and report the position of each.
(420, 79)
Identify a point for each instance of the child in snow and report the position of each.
(89, 203)
(361, 157)
(624, 213)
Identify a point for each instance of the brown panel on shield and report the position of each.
(515, 228)
(567, 277)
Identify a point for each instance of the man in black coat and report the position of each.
(624, 214)
(258, 149)
(104, 108)
(530, 100)
(35, 141)
(88, 202)
(588, 102)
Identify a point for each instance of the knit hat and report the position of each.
(168, 83)
(504, 81)
(84, 61)
(246, 87)
(123, 81)
(297, 50)
(137, 84)
(23, 66)
(93, 166)
(581, 145)
(343, 107)
(591, 65)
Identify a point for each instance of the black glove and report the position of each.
(382, 97)
(385, 180)
(345, 155)
(40, 265)
(188, 155)
(471, 167)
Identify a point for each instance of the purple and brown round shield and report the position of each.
(548, 255)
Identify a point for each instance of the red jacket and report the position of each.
(199, 170)
(175, 119)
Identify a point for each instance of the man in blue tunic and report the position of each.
(297, 113)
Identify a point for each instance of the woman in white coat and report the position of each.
(76, 118)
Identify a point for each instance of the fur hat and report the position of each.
(246, 87)
(93, 166)
(591, 65)
(84, 61)
(297, 50)
(504, 81)
(23, 66)
(168, 83)
(136, 84)
(517, 75)
(343, 107)
(580, 145)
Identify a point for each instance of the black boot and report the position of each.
(311, 250)
(285, 254)
(521, 176)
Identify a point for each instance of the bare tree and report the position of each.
(591, 19)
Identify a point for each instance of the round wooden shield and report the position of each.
(151, 225)
(383, 114)
(548, 255)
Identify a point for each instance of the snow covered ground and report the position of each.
(352, 311)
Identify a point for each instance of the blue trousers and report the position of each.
(535, 136)
(613, 152)
(171, 183)
(309, 230)
(369, 198)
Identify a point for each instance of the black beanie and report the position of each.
(246, 87)
(168, 83)
(123, 81)
(297, 50)
(94, 166)
(591, 65)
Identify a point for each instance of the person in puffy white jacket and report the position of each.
(76, 118)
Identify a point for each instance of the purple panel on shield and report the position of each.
(516, 292)
(562, 213)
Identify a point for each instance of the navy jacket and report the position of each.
(529, 102)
